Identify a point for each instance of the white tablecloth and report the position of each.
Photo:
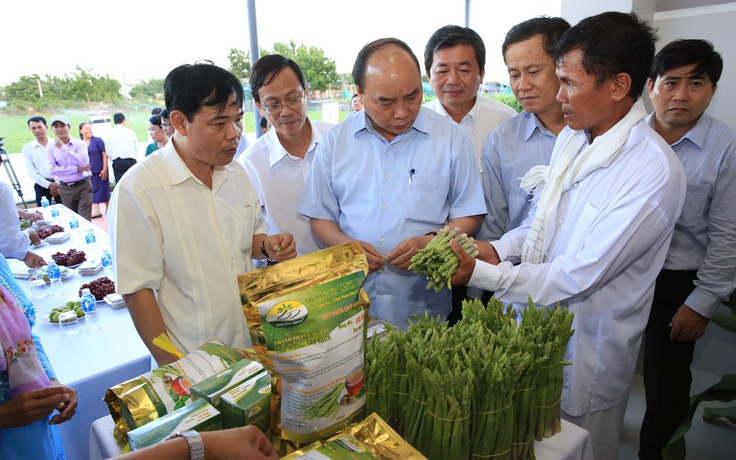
(90, 362)
(572, 443)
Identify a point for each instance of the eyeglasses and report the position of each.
(293, 104)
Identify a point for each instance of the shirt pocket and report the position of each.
(695, 207)
(427, 199)
(242, 228)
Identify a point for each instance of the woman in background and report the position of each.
(157, 133)
(29, 390)
(98, 168)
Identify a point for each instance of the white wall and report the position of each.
(714, 23)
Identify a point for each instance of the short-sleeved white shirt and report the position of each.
(172, 234)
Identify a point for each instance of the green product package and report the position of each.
(248, 404)
(199, 416)
(211, 388)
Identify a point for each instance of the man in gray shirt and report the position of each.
(698, 272)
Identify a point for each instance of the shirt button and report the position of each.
(385, 207)
(380, 240)
(380, 270)
(387, 176)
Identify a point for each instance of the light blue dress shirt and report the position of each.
(383, 192)
(705, 235)
(510, 151)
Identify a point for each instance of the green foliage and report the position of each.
(319, 70)
(148, 89)
(239, 63)
(82, 86)
(509, 100)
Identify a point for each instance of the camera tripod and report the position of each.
(5, 160)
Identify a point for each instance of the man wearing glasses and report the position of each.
(279, 162)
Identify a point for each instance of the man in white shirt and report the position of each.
(455, 60)
(278, 163)
(122, 146)
(185, 222)
(601, 222)
(34, 154)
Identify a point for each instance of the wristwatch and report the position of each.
(196, 446)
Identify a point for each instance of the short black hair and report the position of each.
(37, 120)
(156, 111)
(80, 129)
(551, 30)
(451, 36)
(267, 67)
(367, 51)
(611, 43)
(684, 52)
(190, 87)
(155, 120)
(118, 118)
(164, 114)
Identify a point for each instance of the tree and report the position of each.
(148, 89)
(239, 63)
(319, 70)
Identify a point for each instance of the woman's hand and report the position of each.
(103, 174)
(67, 409)
(35, 405)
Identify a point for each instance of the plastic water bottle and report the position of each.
(74, 226)
(90, 239)
(106, 259)
(44, 202)
(54, 273)
(89, 305)
(55, 213)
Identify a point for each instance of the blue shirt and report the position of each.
(362, 182)
(510, 151)
(705, 232)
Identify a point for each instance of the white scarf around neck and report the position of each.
(574, 162)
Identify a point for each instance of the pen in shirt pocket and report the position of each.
(411, 175)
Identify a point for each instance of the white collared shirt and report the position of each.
(121, 142)
(34, 155)
(172, 234)
(279, 179)
(480, 122)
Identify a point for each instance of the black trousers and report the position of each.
(44, 192)
(667, 362)
(120, 166)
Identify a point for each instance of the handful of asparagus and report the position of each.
(437, 260)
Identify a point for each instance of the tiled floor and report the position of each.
(705, 441)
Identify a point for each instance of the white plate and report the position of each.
(65, 272)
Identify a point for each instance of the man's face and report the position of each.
(212, 136)
(167, 127)
(356, 104)
(455, 77)
(679, 97)
(284, 90)
(532, 76)
(60, 129)
(585, 104)
(38, 129)
(392, 94)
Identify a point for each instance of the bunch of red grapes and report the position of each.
(99, 288)
(72, 257)
(45, 232)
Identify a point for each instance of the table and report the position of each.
(90, 362)
(572, 443)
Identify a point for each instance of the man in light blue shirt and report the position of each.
(698, 272)
(527, 139)
(388, 177)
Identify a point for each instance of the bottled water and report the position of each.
(89, 305)
(74, 226)
(106, 259)
(54, 211)
(54, 273)
(44, 202)
(89, 237)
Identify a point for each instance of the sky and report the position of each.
(135, 40)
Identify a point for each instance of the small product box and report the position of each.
(211, 388)
(59, 237)
(198, 416)
(248, 403)
(90, 267)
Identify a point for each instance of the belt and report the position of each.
(50, 180)
(72, 184)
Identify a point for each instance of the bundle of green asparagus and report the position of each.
(437, 260)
